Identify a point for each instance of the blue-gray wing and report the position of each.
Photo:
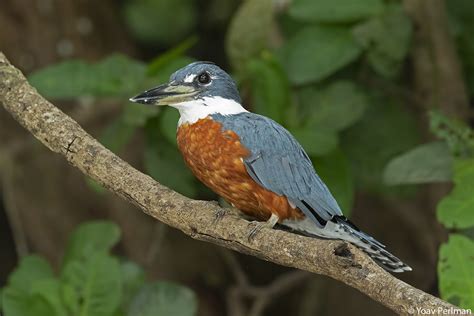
(279, 164)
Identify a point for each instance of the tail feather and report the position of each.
(341, 228)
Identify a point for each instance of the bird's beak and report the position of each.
(166, 94)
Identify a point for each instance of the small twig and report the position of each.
(282, 284)
(262, 296)
(157, 237)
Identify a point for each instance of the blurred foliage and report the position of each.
(92, 282)
(249, 30)
(309, 81)
(311, 66)
(456, 271)
(412, 167)
(456, 212)
(462, 22)
(457, 209)
(160, 22)
(336, 11)
(116, 75)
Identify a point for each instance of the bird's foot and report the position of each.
(258, 226)
(219, 214)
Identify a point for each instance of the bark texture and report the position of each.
(200, 219)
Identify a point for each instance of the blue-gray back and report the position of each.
(279, 164)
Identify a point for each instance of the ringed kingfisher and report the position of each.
(253, 162)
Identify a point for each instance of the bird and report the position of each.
(253, 162)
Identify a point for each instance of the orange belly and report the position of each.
(216, 159)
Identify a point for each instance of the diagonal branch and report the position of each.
(336, 259)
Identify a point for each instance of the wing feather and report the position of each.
(279, 163)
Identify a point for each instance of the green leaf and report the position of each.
(162, 22)
(334, 170)
(335, 106)
(116, 75)
(32, 290)
(91, 238)
(316, 142)
(31, 269)
(426, 163)
(50, 291)
(248, 32)
(164, 298)
(456, 210)
(96, 280)
(387, 39)
(385, 130)
(269, 86)
(334, 11)
(164, 163)
(133, 278)
(456, 271)
(20, 303)
(317, 52)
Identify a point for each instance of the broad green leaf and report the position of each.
(456, 210)
(334, 11)
(117, 76)
(385, 130)
(269, 86)
(50, 291)
(161, 22)
(317, 52)
(91, 238)
(97, 284)
(20, 303)
(164, 163)
(133, 278)
(71, 298)
(249, 30)
(387, 39)
(316, 142)
(163, 298)
(335, 106)
(456, 271)
(334, 170)
(31, 269)
(96, 280)
(426, 163)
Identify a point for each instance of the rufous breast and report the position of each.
(216, 157)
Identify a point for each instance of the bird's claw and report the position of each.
(255, 229)
(219, 214)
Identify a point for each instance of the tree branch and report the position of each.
(336, 259)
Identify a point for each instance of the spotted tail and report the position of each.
(341, 228)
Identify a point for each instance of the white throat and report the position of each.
(192, 111)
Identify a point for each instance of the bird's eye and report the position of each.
(204, 78)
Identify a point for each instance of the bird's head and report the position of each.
(196, 90)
